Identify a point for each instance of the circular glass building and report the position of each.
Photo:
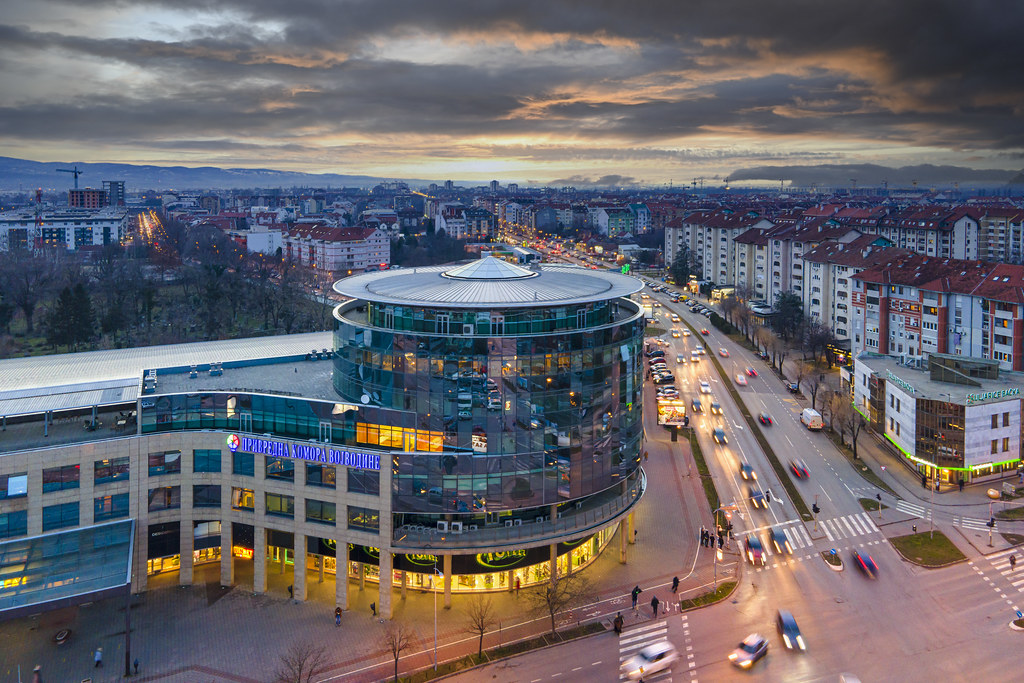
(509, 398)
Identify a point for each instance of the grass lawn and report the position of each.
(871, 505)
(1010, 513)
(724, 589)
(654, 331)
(705, 474)
(1013, 539)
(927, 552)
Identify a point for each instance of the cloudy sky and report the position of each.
(517, 90)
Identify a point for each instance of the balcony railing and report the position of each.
(592, 514)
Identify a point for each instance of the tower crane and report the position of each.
(73, 171)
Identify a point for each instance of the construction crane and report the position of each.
(73, 171)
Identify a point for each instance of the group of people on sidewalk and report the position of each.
(618, 622)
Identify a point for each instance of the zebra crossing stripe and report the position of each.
(852, 532)
(870, 522)
(807, 536)
(856, 525)
(836, 529)
(824, 527)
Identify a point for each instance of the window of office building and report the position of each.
(283, 506)
(165, 462)
(364, 519)
(1006, 443)
(206, 460)
(243, 499)
(243, 463)
(110, 507)
(321, 475)
(109, 470)
(363, 481)
(321, 512)
(13, 485)
(60, 478)
(13, 523)
(164, 498)
(995, 421)
(280, 468)
(206, 495)
(60, 516)
(995, 446)
(1006, 419)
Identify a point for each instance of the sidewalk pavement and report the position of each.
(215, 635)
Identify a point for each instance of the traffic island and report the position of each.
(709, 598)
(834, 562)
(871, 505)
(1017, 625)
(928, 549)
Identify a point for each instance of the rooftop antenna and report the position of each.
(73, 171)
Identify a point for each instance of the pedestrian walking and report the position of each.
(635, 532)
(37, 674)
(136, 664)
(373, 608)
(617, 623)
(645, 456)
(337, 616)
(97, 658)
(675, 584)
(961, 484)
(1013, 562)
(654, 605)
(636, 594)
(924, 481)
(517, 586)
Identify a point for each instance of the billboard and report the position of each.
(672, 413)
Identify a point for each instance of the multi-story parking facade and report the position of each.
(482, 423)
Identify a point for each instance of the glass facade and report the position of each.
(493, 423)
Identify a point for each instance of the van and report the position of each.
(811, 419)
(465, 401)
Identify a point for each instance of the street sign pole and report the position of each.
(815, 514)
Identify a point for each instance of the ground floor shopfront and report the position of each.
(237, 547)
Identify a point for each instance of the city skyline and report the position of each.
(552, 93)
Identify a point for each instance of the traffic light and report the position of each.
(991, 523)
(815, 509)
(878, 497)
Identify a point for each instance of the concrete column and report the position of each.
(362, 576)
(186, 545)
(320, 568)
(384, 594)
(622, 541)
(283, 554)
(511, 581)
(447, 569)
(227, 560)
(405, 583)
(630, 524)
(259, 560)
(553, 563)
(341, 575)
(553, 512)
(299, 569)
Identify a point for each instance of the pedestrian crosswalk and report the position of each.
(639, 637)
(913, 509)
(848, 526)
(1012, 571)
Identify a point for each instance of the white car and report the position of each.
(686, 333)
(650, 660)
(705, 388)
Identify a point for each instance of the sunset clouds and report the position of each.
(519, 91)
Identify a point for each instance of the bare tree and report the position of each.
(857, 424)
(827, 406)
(479, 618)
(302, 663)
(563, 594)
(728, 306)
(801, 373)
(25, 279)
(814, 382)
(397, 639)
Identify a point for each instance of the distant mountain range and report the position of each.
(871, 175)
(27, 175)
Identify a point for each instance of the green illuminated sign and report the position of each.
(625, 269)
(906, 386)
(1002, 393)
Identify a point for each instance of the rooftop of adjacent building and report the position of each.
(997, 386)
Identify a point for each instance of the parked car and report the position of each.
(793, 387)
(746, 654)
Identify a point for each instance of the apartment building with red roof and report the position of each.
(337, 251)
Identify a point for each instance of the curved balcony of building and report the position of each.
(587, 516)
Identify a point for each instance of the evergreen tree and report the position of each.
(680, 268)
